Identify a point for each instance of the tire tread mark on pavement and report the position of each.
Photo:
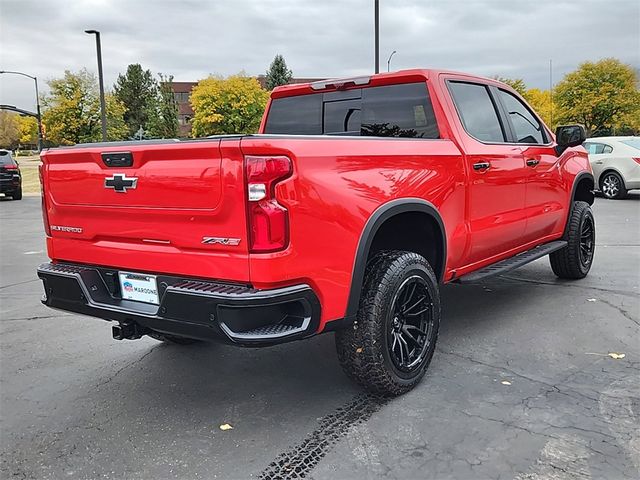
(298, 461)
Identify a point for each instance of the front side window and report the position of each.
(527, 128)
(477, 111)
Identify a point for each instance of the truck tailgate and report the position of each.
(174, 198)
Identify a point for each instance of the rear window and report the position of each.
(390, 111)
(632, 142)
(5, 158)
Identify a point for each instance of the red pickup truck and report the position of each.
(355, 202)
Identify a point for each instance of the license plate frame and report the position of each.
(139, 287)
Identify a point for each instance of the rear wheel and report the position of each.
(574, 261)
(390, 345)
(17, 195)
(612, 186)
(163, 337)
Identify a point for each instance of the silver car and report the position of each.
(616, 164)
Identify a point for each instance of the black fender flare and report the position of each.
(375, 221)
(576, 181)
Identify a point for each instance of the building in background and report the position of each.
(182, 90)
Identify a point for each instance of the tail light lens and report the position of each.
(268, 220)
(45, 218)
(636, 159)
(11, 167)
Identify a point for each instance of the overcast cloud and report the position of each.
(193, 38)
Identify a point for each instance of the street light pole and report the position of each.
(103, 109)
(389, 61)
(38, 113)
(377, 33)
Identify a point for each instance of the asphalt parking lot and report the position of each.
(521, 385)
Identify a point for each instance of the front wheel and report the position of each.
(390, 344)
(574, 261)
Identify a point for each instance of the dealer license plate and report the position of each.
(139, 287)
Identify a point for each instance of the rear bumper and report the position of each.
(200, 309)
(9, 184)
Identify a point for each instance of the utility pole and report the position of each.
(103, 108)
(377, 33)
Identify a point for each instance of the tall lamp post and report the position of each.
(389, 61)
(103, 109)
(376, 20)
(38, 114)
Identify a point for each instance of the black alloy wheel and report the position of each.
(410, 324)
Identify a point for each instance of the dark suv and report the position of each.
(10, 177)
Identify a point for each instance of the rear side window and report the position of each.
(597, 148)
(477, 111)
(390, 111)
(526, 127)
(301, 115)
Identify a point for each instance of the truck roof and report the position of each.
(386, 78)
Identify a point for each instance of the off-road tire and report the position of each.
(163, 337)
(617, 180)
(362, 348)
(568, 262)
(17, 195)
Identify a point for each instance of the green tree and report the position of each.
(601, 95)
(278, 73)
(516, 83)
(231, 105)
(9, 130)
(137, 90)
(72, 111)
(163, 110)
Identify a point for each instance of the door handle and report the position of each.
(481, 165)
(532, 162)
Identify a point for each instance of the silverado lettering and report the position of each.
(354, 203)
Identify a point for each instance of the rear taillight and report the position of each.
(268, 220)
(45, 217)
(635, 159)
(11, 167)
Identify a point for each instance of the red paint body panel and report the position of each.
(189, 190)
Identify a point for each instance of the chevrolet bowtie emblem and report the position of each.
(120, 182)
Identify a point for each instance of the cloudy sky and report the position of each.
(193, 38)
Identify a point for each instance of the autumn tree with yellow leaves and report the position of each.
(227, 105)
(72, 111)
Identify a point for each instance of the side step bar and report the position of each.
(513, 262)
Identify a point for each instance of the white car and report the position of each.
(616, 164)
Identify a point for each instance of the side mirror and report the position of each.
(569, 136)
